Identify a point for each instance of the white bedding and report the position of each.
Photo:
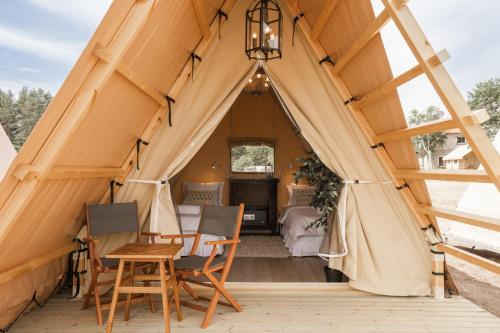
(190, 219)
(298, 238)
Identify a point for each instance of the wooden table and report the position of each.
(154, 253)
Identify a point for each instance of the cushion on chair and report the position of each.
(195, 263)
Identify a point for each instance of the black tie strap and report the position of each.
(378, 145)
(112, 190)
(295, 20)
(402, 187)
(138, 148)
(170, 100)
(194, 57)
(221, 14)
(350, 100)
(327, 59)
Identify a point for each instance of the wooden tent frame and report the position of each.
(107, 58)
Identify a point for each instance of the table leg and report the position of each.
(175, 288)
(164, 295)
(112, 308)
(129, 295)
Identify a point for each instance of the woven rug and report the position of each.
(262, 246)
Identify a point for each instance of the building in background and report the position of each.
(454, 140)
(7, 152)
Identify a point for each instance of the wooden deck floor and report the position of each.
(283, 307)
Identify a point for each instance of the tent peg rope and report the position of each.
(327, 59)
(112, 190)
(194, 57)
(295, 20)
(170, 100)
(220, 14)
(138, 150)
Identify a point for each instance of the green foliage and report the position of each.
(246, 156)
(327, 183)
(426, 144)
(486, 95)
(19, 116)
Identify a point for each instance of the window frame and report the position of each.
(251, 141)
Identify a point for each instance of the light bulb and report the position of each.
(267, 30)
(258, 76)
(250, 80)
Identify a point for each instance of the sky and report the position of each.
(40, 40)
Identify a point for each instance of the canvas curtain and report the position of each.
(386, 252)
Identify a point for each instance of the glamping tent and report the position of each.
(155, 81)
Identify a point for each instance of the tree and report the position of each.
(486, 95)
(426, 144)
(18, 117)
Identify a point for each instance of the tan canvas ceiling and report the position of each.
(116, 92)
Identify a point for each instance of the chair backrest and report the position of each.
(220, 221)
(112, 218)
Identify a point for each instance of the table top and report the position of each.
(145, 251)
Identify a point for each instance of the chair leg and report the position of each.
(190, 290)
(89, 293)
(211, 309)
(224, 291)
(151, 302)
(175, 287)
(98, 305)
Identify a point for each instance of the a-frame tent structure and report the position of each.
(138, 65)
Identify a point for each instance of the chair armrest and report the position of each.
(223, 242)
(151, 234)
(91, 240)
(178, 236)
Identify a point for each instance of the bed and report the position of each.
(300, 239)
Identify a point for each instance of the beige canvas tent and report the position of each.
(348, 110)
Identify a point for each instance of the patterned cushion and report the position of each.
(302, 196)
(200, 197)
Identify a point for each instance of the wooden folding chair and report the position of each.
(104, 220)
(218, 221)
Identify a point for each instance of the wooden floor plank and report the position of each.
(291, 307)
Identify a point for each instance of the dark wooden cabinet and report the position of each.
(260, 198)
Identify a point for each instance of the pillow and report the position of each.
(217, 187)
(200, 197)
(292, 186)
(302, 196)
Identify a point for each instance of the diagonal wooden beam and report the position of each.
(366, 36)
(201, 15)
(446, 89)
(401, 79)
(75, 113)
(465, 175)
(463, 217)
(489, 265)
(326, 13)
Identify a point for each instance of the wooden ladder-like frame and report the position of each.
(468, 122)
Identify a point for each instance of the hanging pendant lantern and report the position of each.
(263, 31)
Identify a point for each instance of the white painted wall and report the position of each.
(7, 152)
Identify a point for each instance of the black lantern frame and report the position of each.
(263, 30)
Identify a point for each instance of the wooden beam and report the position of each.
(36, 263)
(463, 217)
(28, 172)
(478, 176)
(370, 31)
(489, 265)
(175, 91)
(326, 13)
(401, 79)
(201, 15)
(75, 113)
(360, 118)
(430, 127)
(445, 88)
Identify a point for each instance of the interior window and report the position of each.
(252, 157)
(460, 139)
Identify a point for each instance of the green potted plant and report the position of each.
(328, 186)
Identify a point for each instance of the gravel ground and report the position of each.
(477, 285)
